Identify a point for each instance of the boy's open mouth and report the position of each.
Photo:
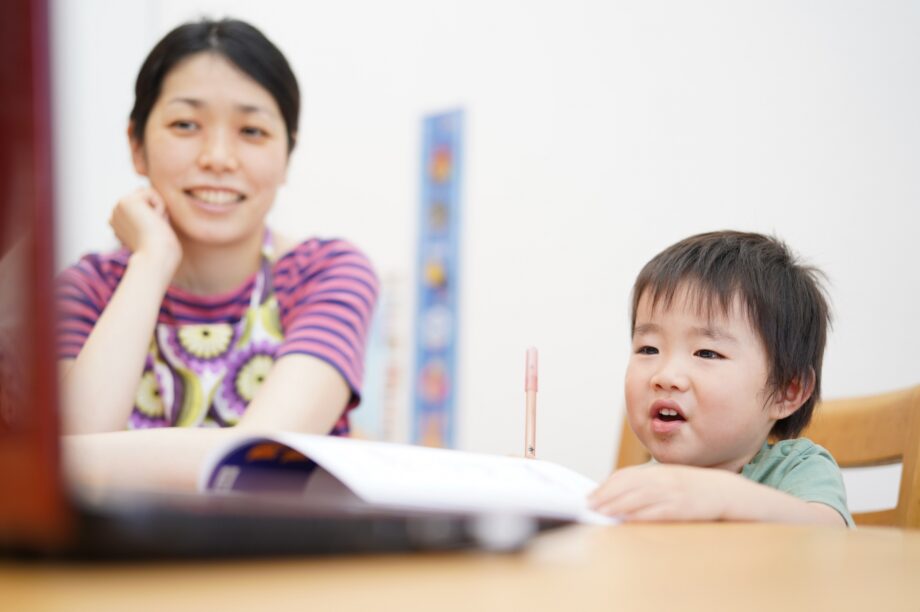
(668, 415)
(667, 411)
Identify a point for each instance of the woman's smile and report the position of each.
(215, 200)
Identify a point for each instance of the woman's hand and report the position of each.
(141, 222)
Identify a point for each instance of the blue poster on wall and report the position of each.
(437, 304)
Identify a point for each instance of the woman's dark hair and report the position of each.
(241, 44)
(784, 301)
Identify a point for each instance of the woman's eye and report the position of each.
(183, 125)
(647, 350)
(255, 132)
(708, 354)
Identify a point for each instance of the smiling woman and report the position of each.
(205, 317)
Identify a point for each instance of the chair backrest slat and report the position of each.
(865, 431)
(874, 430)
(909, 498)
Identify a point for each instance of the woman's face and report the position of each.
(215, 148)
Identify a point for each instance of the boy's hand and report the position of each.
(664, 493)
(141, 222)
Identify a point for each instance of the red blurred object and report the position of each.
(34, 513)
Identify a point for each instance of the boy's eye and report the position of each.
(647, 350)
(708, 354)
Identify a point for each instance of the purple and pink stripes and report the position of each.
(326, 291)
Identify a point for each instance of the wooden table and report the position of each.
(630, 567)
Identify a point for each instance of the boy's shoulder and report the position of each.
(794, 447)
(778, 459)
(803, 469)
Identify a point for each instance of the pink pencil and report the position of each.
(530, 409)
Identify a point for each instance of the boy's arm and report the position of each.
(683, 493)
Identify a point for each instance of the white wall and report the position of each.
(598, 133)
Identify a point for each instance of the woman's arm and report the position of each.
(301, 393)
(326, 300)
(166, 459)
(98, 386)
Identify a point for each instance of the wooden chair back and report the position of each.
(876, 430)
(631, 451)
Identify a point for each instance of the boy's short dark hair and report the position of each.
(784, 299)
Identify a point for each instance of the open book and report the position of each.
(356, 473)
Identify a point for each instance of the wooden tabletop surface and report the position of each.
(628, 567)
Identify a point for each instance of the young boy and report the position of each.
(728, 334)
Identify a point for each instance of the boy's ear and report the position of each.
(794, 395)
(137, 152)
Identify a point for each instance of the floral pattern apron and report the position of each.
(204, 375)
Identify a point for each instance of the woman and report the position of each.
(206, 318)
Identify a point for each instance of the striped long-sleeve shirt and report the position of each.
(326, 292)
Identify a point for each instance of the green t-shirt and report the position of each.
(802, 469)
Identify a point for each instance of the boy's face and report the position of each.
(695, 385)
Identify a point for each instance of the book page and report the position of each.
(397, 475)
